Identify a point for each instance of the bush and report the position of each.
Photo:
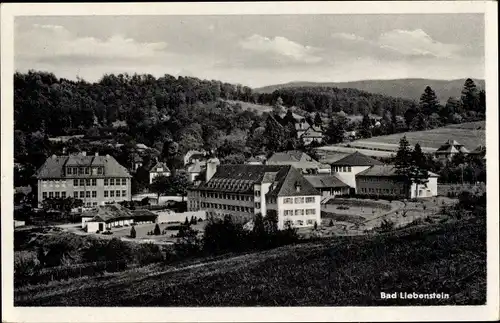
(386, 225)
(133, 234)
(331, 223)
(157, 230)
(26, 263)
(107, 232)
(148, 253)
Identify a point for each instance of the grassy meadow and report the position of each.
(342, 271)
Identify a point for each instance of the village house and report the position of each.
(160, 169)
(243, 191)
(383, 180)
(95, 180)
(450, 149)
(300, 160)
(348, 167)
(106, 217)
(312, 133)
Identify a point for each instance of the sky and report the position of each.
(255, 50)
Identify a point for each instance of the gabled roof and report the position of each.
(452, 146)
(242, 178)
(289, 156)
(357, 159)
(158, 165)
(313, 131)
(325, 181)
(479, 150)
(54, 166)
(113, 212)
(384, 171)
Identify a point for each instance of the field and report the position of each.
(471, 135)
(342, 271)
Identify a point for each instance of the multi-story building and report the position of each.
(348, 167)
(450, 149)
(243, 191)
(383, 180)
(160, 169)
(96, 180)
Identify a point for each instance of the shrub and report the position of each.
(315, 225)
(133, 233)
(157, 230)
(26, 263)
(386, 225)
(331, 223)
(193, 220)
(107, 232)
(148, 253)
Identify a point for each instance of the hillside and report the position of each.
(404, 88)
(447, 257)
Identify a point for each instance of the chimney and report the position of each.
(212, 164)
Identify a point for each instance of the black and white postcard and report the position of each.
(265, 161)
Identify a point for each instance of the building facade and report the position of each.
(243, 191)
(300, 160)
(96, 180)
(383, 180)
(160, 169)
(348, 167)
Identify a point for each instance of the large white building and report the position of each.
(96, 180)
(348, 167)
(243, 191)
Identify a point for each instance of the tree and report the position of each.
(410, 113)
(418, 172)
(162, 185)
(133, 233)
(157, 230)
(429, 102)
(482, 101)
(419, 122)
(193, 220)
(403, 162)
(274, 135)
(365, 127)
(470, 96)
(186, 222)
(317, 120)
(278, 107)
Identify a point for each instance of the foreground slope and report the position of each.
(448, 258)
(404, 88)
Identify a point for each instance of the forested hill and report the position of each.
(404, 88)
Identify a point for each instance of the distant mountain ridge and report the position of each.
(403, 88)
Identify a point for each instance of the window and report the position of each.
(288, 223)
(82, 194)
(310, 211)
(94, 182)
(310, 221)
(44, 195)
(75, 195)
(80, 171)
(87, 194)
(94, 194)
(75, 182)
(111, 181)
(124, 181)
(300, 222)
(299, 200)
(99, 171)
(310, 199)
(68, 170)
(94, 203)
(117, 193)
(63, 195)
(288, 212)
(124, 193)
(82, 182)
(111, 193)
(349, 168)
(87, 182)
(299, 212)
(288, 200)
(51, 194)
(105, 182)
(257, 193)
(88, 204)
(105, 193)
(257, 205)
(87, 170)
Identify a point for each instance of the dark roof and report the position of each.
(357, 159)
(113, 212)
(54, 166)
(325, 181)
(241, 178)
(384, 171)
(452, 146)
(290, 155)
(479, 150)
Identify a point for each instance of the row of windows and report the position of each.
(299, 222)
(84, 170)
(85, 182)
(115, 181)
(84, 194)
(226, 196)
(299, 200)
(299, 212)
(115, 193)
(54, 195)
(227, 207)
(376, 179)
(339, 169)
(381, 190)
(54, 181)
